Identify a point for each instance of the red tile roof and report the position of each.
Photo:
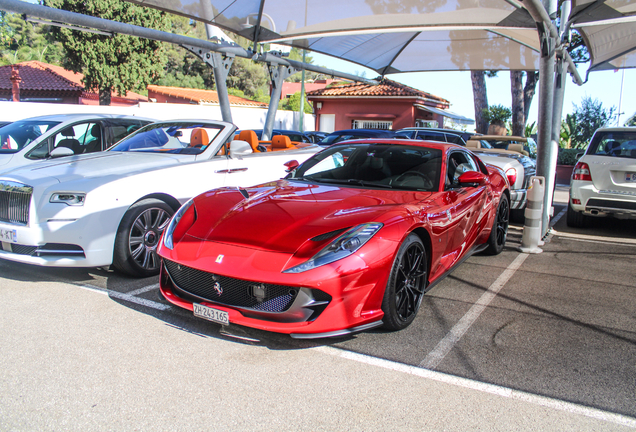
(199, 95)
(386, 88)
(41, 76)
(36, 77)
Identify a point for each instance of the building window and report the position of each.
(426, 123)
(371, 124)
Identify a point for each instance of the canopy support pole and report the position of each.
(278, 74)
(221, 65)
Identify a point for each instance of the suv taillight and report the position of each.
(581, 172)
(511, 173)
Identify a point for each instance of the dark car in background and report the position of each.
(316, 136)
(435, 134)
(351, 134)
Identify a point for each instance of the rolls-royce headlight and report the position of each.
(68, 198)
(169, 233)
(340, 248)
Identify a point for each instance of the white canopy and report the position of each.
(608, 29)
(388, 36)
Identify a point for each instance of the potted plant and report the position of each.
(497, 116)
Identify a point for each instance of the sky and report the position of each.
(604, 86)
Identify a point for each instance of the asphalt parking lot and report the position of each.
(513, 342)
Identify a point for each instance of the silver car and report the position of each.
(37, 138)
(604, 179)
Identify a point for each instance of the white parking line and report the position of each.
(128, 297)
(433, 359)
(557, 217)
(483, 387)
(143, 290)
(601, 239)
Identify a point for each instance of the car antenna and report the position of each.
(243, 192)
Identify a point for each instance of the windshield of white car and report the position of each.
(17, 135)
(171, 138)
(615, 144)
(371, 165)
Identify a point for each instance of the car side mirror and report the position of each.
(61, 152)
(239, 148)
(579, 155)
(291, 165)
(472, 179)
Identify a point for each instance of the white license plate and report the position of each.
(211, 314)
(8, 235)
(630, 177)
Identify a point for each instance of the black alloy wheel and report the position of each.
(138, 238)
(406, 285)
(497, 239)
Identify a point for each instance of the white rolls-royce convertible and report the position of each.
(94, 210)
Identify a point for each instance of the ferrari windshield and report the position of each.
(170, 137)
(390, 166)
(17, 135)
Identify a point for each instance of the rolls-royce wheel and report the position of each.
(138, 237)
(499, 232)
(406, 285)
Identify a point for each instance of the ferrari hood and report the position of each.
(103, 164)
(282, 216)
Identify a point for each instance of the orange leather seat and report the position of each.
(280, 142)
(199, 137)
(251, 138)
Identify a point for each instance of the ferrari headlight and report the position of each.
(68, 198)
(340, 248)
(169, 232)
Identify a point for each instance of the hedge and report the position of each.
(568, 156)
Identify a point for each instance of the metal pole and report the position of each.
(221, 69)
(278, 74)
(301, 122)
(548, 35)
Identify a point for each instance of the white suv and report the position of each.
(604, 179)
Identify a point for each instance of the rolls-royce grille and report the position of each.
(230, 291)
(15, 200)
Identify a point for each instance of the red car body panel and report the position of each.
(258, 238)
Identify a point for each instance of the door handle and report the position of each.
(233, 170)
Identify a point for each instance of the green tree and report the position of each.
(568, 129)
(588, 117)
(292, 103)
(23, 41)
(120, 62)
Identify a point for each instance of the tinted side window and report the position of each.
(431, 136)
(455, 139)
(120, 129)
(459, 163)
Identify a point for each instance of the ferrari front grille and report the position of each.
(229, 291)
(15, 200)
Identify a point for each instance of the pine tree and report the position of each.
(113, 63)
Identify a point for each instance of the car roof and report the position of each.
(501, 138)
(617, 129)
(406, 142)
(362, 131)
(75, 117)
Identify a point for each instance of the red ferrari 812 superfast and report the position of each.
(349, 240)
